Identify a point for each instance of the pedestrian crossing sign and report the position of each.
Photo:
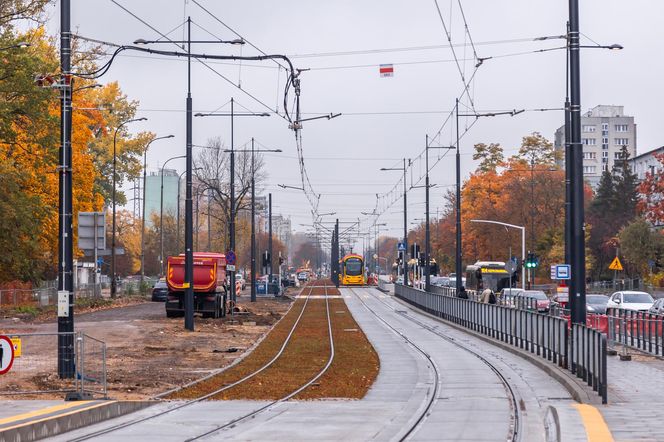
(616, 265)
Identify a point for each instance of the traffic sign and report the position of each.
(616, 265)
(6, 354)
(230, 257)
(230, 267)
(401, 247)
(561, 271)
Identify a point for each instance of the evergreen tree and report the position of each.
(625, 190)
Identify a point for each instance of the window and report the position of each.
(589, 169)
(605, 141)
(589, 141)
(617, 155)
(621, 127)
(589, 155)
(605, 126)
(588, 128)
(621, 141)
(605, 154)
(605, 167)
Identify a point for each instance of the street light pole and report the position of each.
(161, 212)
(145, 168)
(523, 244)
(66, 360)
(188, 203)
(457, 264)
(578, 257)
(405, 219)
(114, 287)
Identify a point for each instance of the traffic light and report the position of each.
(532, 261)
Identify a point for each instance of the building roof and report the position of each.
(649, 153)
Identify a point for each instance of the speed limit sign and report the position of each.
(6, 354)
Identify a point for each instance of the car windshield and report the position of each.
(535, 294)
(597, 299)
(160, 285)
(637, 297)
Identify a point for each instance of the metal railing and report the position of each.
(640, 330)
(544, 335)
(35, 367)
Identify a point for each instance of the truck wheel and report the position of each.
(173, 314)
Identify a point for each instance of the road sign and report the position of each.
(561, 271)
(6, 354)
(230, 267)
(230, 258)
(401, 247)
(17, 346)
(616, 265)
(91, 230)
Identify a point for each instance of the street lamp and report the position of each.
(427, 234)
(161, 212)
(231, 229)
(285, 186)
(145, 160)
(253, 212)
(523, 244)
(114, 287)
(18, 45)
(405, 217)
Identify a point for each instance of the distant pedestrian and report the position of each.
(492, 297)
(484, 297)
(462, 293)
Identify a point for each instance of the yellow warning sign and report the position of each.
(16, 341)
(616, 265)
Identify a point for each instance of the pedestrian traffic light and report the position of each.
(532, 261)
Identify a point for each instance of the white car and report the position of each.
(631, 300)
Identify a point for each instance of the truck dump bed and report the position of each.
(209, 272)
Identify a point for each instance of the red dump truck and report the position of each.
(210, 289)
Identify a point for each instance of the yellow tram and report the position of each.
(352, 270)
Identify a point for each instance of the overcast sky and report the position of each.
(384, 119)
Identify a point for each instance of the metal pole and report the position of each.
(578, 283)
(209, 224)
(253, 224)
(458, 271)
(196, 222)
(531, 271)
(114, 287)
(145, 162)
(232, 202)
(188, 223)
(427, 239)
(269, 239)
(569, 164)
(523, 258)
(66, 352)
(96, 256)
(405, 227)
(177, 240)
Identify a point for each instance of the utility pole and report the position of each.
(66, 363)
(569, 164)
(577, 295)
(232, 202)
(253, 224)
(269, 239)
(459, 256)
(188, 203)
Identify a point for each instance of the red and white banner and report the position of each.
(386, 70)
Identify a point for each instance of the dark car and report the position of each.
(596, 303)
(160, 291)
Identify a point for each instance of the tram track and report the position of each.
(515, 434)
(211, 394)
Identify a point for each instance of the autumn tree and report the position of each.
(640, 245)
(490, 156)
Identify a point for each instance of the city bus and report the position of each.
(352, 270)
(492, 275)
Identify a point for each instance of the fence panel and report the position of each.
(35, 367)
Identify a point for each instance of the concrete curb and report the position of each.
(40, 428)
(574, 386)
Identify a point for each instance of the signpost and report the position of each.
(6, 354)
(92, 238)
(401, 247)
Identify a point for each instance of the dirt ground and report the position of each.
(147, 353)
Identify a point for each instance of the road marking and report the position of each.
(45, 411)
(48, 410)
(596, 428)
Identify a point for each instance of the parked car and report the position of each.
(658, 307)
(160, 291)
(631, 300)
(440, 281)
(542, 302)
(506, 296)
(596, 303)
